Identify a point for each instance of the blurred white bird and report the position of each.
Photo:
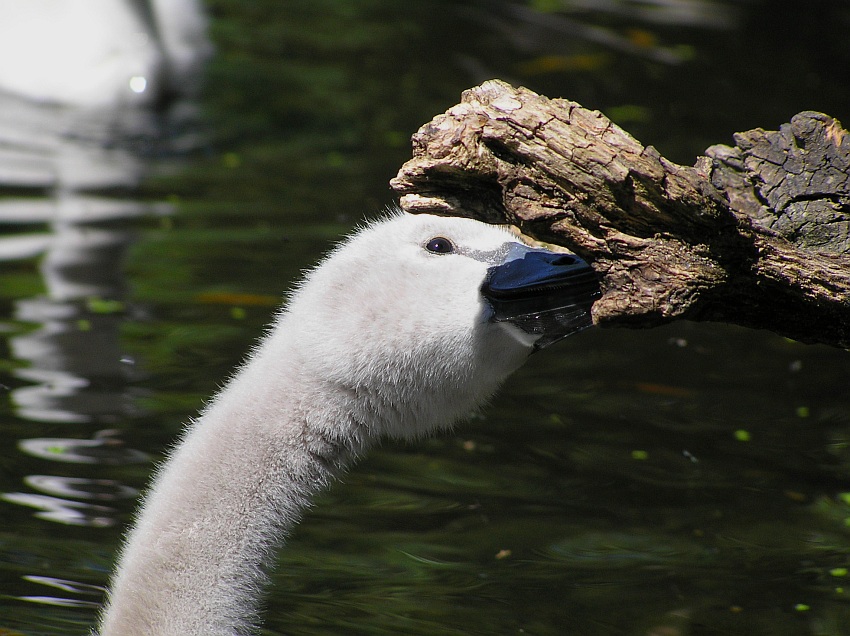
(100, 52)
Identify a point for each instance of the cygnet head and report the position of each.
(422, 317)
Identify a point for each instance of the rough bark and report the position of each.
(756, 234)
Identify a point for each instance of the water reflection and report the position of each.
(80, 488)
(558, 32)
(64, 511)
(71, 587)
(103, 449)
(99, 91)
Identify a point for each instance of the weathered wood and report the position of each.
(757, 234)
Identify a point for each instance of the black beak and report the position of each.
(543, 293)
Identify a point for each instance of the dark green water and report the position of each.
(691, 480)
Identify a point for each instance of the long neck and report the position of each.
(245, 470)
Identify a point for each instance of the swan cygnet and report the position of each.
(403, 329)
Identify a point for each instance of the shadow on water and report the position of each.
(682, 481)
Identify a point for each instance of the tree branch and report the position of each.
(757, 234)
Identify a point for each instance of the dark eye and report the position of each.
(440, 245)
